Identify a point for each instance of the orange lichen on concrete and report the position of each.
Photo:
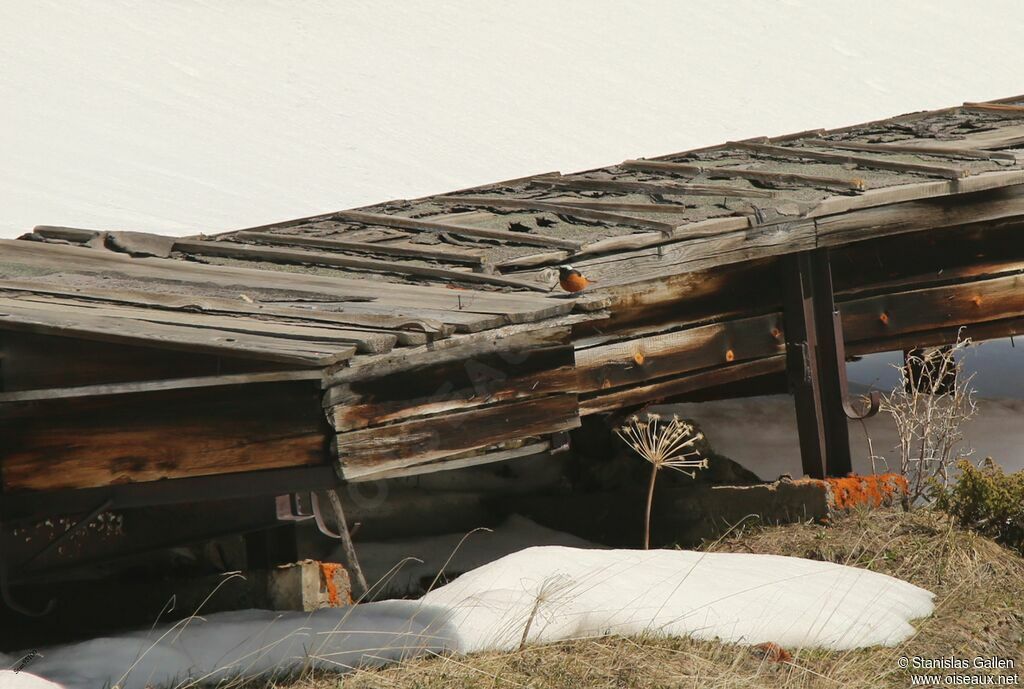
(875, 490)
(329, 570)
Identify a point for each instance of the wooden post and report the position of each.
(813, 365)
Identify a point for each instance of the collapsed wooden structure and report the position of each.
(422, 335)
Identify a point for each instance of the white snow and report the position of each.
(392, 571)
(198, 115)
(546, 594)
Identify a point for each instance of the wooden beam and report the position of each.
(462, 230)
(157, 385)
(626, 186)
(377, 248)
(475, 381)
(910, 147)
(554, 207)
(666, 389)
(859, 161)
(91, 442)
(255, 253)
(646, 358)
(767, 176)
(1000, 108)
(427, 439)
(488, 457)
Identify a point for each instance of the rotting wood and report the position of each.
(555, 207)
(914, 148)
(378, 248)
(381, 473)
(132, 388)
(627, 186)
(768, 176)
(465, 231)
(423, 440)
(251, 252)
(858, 161)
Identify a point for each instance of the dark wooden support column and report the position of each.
(814, 364)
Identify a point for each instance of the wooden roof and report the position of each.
(325, 289)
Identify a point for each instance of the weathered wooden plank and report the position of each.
(364, 341)
(842, 159)
(554, 207)
(674, 189)
(673, 387)
(30, 318)
(998, 108)
(408, 330)
(521, 337)
(382, 472)
(19, 259)
(424, 440)
(82, 443)
(247, 251)
(108, 389)
(613, 205)
(913, 192)
(462, 230)
(378, 248)
(696, 254)
(929, 214)
(915, 147)
(768, 176)
(646, 358)
(886, 316)
(977, 332)
(481, 379)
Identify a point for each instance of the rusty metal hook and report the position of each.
(874, 401)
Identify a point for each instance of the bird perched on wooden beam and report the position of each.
(572, 280)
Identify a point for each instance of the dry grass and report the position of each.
(979, 590)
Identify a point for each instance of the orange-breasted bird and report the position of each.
(572, 280)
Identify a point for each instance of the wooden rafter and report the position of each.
(247, 251)
(554, 207)
(769, 176)
(626, 186)
(435, 226)
(361, 247)
(950, 151)
(841, 159)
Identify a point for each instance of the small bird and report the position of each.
(572, 280)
